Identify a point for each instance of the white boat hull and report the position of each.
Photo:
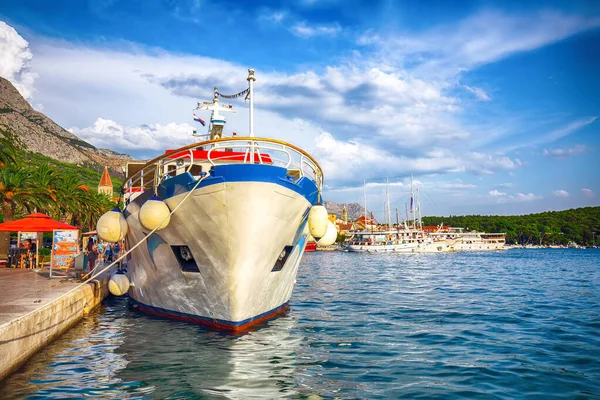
(235, 231)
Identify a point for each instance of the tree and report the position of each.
(18, 191)
(8, 148)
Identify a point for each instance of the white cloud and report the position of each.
(496, 193)
(301, 29)
(15, 58)
(478, 92)
(525, 197)
(108, 134)
(566, 130)
(561, 193)
(588, 192)
(273, 16)
(344, 160)
(483, 38)
(562, 153)
(506, 185)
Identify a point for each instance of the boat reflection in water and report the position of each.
(258, 364)
(118, 353)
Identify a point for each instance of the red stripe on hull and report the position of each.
(215, 324)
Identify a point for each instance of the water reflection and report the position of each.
(181, 360)
(360, 326)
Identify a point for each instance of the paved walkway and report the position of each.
(23, 291)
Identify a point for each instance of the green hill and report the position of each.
(554, 227)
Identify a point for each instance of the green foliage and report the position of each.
(554, 227)
(30, 182)
(341, 238)
(89, 175)
(44, 252)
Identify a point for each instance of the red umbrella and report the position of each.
(37, 222)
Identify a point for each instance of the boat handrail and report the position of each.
(304, 162)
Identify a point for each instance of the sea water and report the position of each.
(510, 324)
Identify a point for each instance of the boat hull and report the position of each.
(246, 239)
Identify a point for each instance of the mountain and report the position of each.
(40, 134)
(354, 210)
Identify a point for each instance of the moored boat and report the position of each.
(234, 211)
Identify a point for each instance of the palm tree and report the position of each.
(8, 149)
(18, 192)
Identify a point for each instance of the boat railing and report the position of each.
(255, 151)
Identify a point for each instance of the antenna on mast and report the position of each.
(251, 80)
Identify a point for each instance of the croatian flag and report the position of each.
(197, 118)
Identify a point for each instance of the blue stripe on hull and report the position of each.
(183, 183)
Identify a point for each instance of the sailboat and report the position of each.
(399, 239)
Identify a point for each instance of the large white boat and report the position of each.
(390, 240)
(469, 241)
(229, 254)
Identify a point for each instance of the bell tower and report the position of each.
(105, 186)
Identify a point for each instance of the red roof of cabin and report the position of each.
(219, 155)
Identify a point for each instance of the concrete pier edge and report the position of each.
(24, 336)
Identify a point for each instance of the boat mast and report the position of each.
(251, 80)
(365, 200)
(412, 202)
(387, 190)
(419, 209)
(217, 121)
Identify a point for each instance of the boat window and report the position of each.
(185, 258)
(283, 256)
(172, 170)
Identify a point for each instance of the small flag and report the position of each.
(197, 118)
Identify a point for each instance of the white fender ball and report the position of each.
(118, 285)
(330, 236)
(112, 226)
(317, 221)
(153, 213)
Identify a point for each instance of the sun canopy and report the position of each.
(37, 222)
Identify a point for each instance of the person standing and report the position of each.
(31, 253)
(92, 255)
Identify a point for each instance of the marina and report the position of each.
(399, 202)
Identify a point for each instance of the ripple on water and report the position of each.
(498, 325)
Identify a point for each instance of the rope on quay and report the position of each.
(124, 254)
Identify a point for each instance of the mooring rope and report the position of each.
(123, 256)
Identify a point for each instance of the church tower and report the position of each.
(105, 186)
(345, 214)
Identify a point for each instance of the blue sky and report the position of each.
(492, 106)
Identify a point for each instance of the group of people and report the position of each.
(102, 251)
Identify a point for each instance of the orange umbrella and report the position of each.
(36, 222)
